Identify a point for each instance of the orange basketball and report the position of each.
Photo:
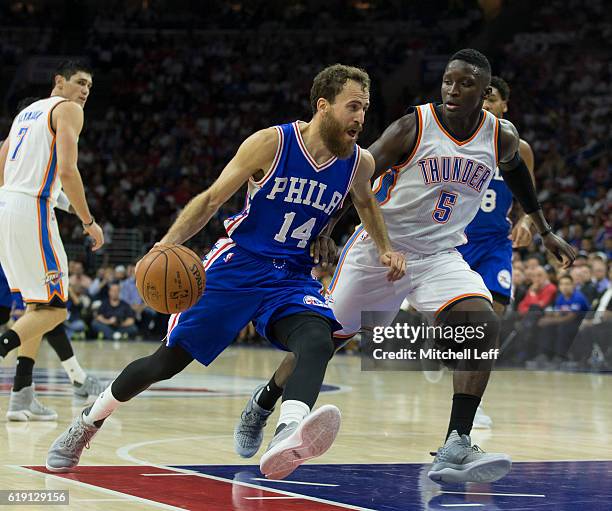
(170, 278)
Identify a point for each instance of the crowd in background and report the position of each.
(170, 107)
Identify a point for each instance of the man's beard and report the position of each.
(332, 134)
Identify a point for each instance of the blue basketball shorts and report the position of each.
(241, 287)
(492, 259)
(6, 297)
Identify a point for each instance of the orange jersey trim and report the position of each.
(458, 142)
(460, 297)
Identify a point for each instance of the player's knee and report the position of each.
(313, 339)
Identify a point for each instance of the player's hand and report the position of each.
(563, 252)
(396, 263)
(323, 251)
(97, 235)
(521, 234)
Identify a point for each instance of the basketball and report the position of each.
(170, 278)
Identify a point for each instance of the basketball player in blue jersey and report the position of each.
(297, 175)
(434, 165)
(489, 247)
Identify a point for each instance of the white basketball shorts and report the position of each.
(431, 284)
(31, 250)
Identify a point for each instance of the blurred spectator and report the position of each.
(599, 276)
(559, 327)
(582, 278)
(98, 289)
(115, 319)
(77, 301)
(78, 279)
(540, 294)
(145, 316)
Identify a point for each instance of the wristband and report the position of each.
(90, 223)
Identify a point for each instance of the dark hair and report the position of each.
(502, 86)
(475, 58)
(68, 68)
(329, 82)
(25, 102)
(566, 277)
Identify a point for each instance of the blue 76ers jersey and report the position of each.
(492, 217)
(287, 209)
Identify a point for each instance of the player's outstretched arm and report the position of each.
(68, 122)
(517, 177)
(522, 231)
(255, 154)
(369, 212)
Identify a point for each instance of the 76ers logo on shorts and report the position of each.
(505, 279)
(313, 300)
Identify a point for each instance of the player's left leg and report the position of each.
(301, 435)
(450, 292)
(23, 404)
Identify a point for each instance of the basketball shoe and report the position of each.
(458, 461)
(65, 453)
(91, 387)
(23, 406)
(300, 442)
(249, 432)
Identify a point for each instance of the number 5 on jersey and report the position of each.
(301, 233)
(444, 207)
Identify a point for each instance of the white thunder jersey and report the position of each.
(31, 250)
(31, 163)
(429, 200)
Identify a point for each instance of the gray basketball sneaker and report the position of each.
(23, 406)
(249, 431)
(297, 443)
(458, 461)
(91, 387)
(65, 453)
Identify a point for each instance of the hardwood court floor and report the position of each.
(391, 421)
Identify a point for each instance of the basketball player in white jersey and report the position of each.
(37, 160)
(435, 164)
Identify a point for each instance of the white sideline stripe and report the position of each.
(99, 500)
(124, 453)
(272, 498)
(495, 494)
(125, 496)
(168, 475)
(462, 505)
(292, 482)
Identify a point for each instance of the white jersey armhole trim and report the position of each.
(277, 157)
(353, 174)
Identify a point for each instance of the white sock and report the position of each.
(74, 370)
(104, 405)
(292, 411)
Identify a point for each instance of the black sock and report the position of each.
(462, 414)
(23, 374)
(9, 340)
(60, 343)
(269, 395)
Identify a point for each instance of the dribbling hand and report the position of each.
(557, 246)
(396, 263)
